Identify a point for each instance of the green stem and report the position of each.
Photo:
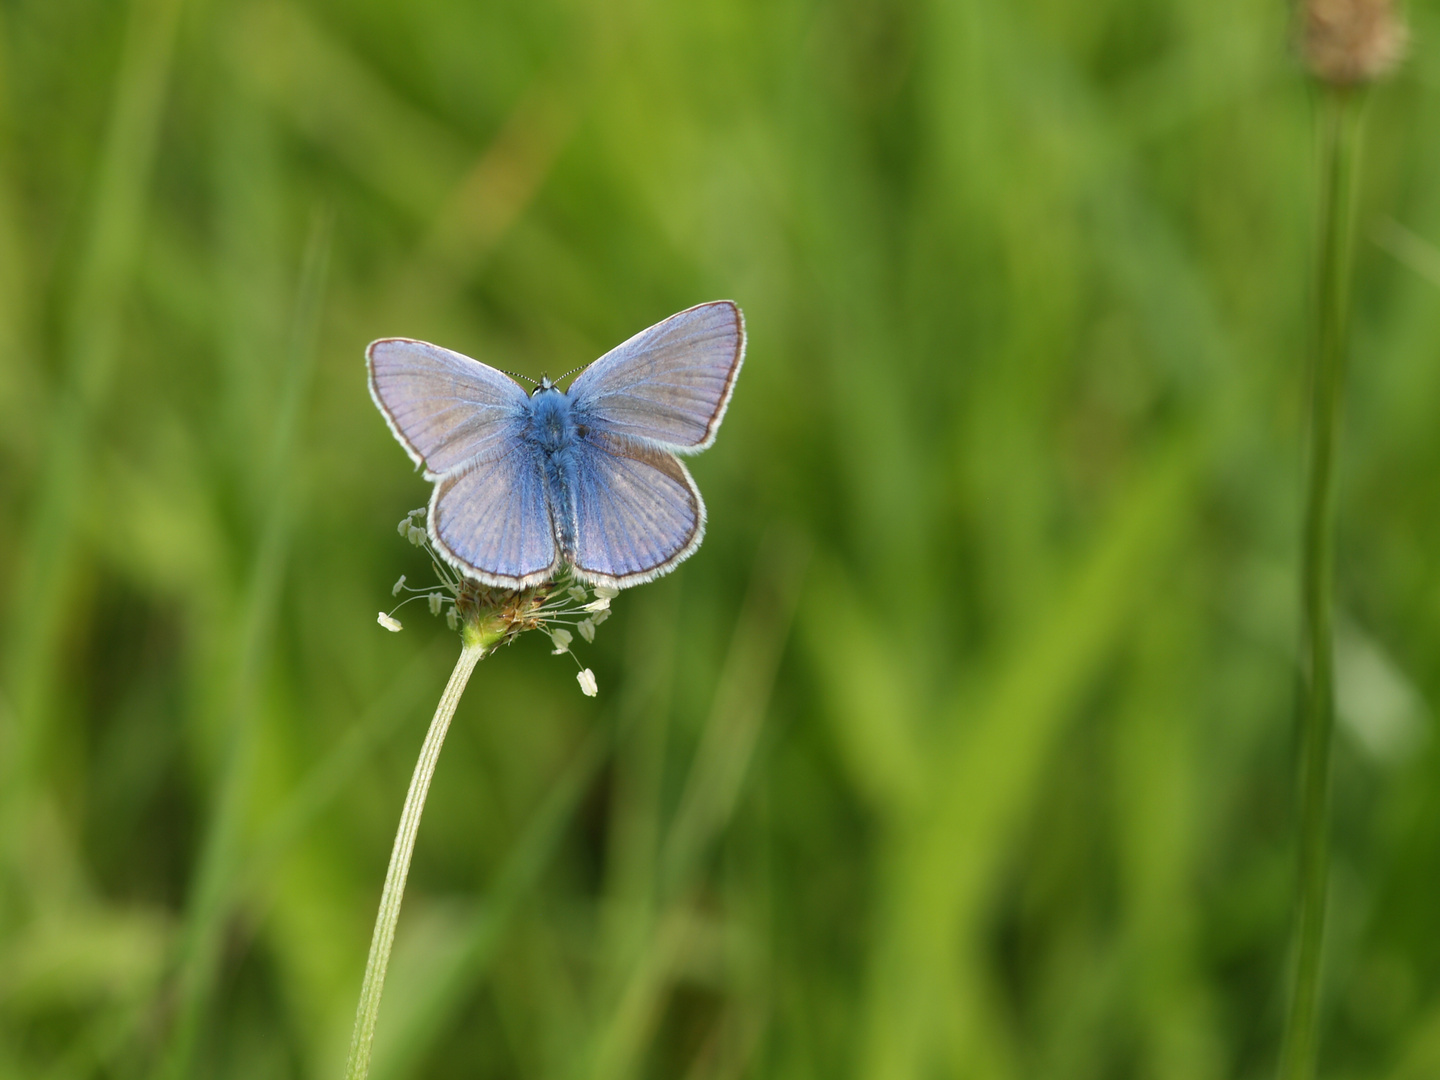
(358, 1066)
(1340, 131)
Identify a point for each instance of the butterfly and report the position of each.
(529, 482)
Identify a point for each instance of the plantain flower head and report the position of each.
(1349, 42)
(491, 616)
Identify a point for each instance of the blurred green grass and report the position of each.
(963, 746)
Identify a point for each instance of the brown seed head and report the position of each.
(1346, 42)
(496, 616)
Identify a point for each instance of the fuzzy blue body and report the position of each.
(552, 429)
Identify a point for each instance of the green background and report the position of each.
(962, 748)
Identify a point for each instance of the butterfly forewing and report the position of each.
(445, 408)
(492, 518)
(668, 384)
(637, 511)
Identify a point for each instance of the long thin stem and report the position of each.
(1340, 131)
(358, 1066)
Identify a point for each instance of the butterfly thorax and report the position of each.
(551, 425)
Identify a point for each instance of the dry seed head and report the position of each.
(1346, 42)
(496, 616)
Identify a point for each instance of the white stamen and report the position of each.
(576, 592)
(602, 604)
(587, 630)
(450, 618)
(391, 624)
(416, 536)
(586, 679)
(561, 639)
(398, 586)
(606, 591)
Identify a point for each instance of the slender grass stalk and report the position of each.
(1340, 140)
(33, 634)
(215, 892)
(358, 1066)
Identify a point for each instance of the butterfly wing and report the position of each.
(491, 519)
(445, 408)
(637, 511)
(669, 384)
(463, 422)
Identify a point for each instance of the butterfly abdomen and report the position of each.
(552, 433)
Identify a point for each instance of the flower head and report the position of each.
(491, 616)
(1345, 42)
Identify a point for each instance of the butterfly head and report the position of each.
(544, 385)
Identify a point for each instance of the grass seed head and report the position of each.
(1349, 42)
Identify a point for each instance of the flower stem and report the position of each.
(1340, 131)
(358, 1066)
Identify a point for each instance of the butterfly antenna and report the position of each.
(572, 371)
(517, 375)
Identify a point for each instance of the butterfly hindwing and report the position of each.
(669, 384)
(446, 409)
(636, 510)
(492, 519)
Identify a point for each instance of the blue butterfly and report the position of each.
(528, 482)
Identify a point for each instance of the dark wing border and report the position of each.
(713, 428)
